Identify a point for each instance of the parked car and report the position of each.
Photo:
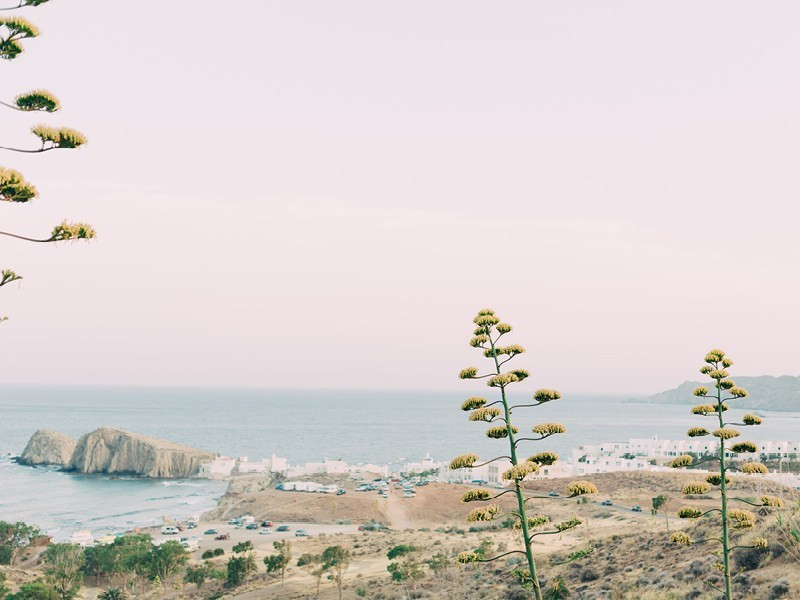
(169, 530)
(251, 526)
(283, 528)
(266, 531)
(191, 525)
(554, 494)
(235, 522)
(266, 523)
(301, 533)
(190, 544)
(409, 494)
(223, 536)
(637, 508)
(607, 503)
(210, 532)
(340, 491)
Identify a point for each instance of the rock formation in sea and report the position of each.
(115, 451)
(48, 447)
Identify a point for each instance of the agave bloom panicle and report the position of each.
(580, 488)
(476, 494)
(754, 467)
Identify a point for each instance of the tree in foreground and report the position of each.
(312, 564)
(166, 560)
(405, 568)
(660, 502)
(240, 567)
(486, 337)
(197, 574)
(336, 561)
(277, 563)
(732, 521)
(64, 564)
(35, 590)
(14, 188)
(17, 537)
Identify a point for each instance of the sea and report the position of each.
(377, 426)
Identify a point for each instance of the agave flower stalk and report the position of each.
(499, 413)
(723, 390)
(13, 186)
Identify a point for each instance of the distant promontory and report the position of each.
(766, 393)
(114, 451)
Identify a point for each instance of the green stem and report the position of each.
(725, 537)
(537, 590)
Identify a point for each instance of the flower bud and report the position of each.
(689, 512)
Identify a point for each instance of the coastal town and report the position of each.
(637, 454)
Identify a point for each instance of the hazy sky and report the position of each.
(314, 194)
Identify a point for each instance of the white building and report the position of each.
(426, 464)
(491, 473)
(327, 467)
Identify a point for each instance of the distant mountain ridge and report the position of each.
(766, 392)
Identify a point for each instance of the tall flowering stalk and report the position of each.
(487, 336)
(731, 520)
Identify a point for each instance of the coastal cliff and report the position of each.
(48, 447)
(115, 451)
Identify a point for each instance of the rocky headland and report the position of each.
(114, 451)
(48, 447)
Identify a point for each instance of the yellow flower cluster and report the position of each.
(486, 513)
(549, 428)
(750, 419)
(543, 458)
(520, 471)
(771, 501)
(473, 403)
(681, 538)
(754, 467)
(716, 479)
(484, 414)
(725, 433)
(464, 461)
(696, 487)
(697, 432)
(500, 431)
(545, 395)
(741, 519)
(689, 512)
(476, 494)
(684, 460)
(744, 447)
(579, 488)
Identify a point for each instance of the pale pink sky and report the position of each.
(323, 193)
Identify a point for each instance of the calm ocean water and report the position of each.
(357, 426)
